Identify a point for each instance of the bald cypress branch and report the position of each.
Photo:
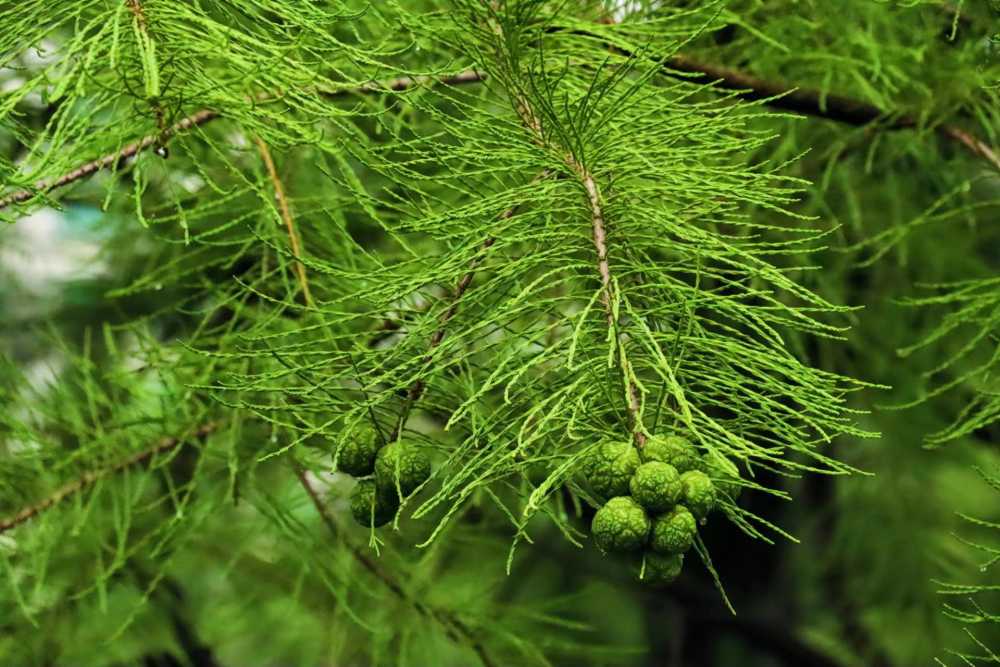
(454, 627)
(89, 479)
(202, 117)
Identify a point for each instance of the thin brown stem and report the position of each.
(417, 388)
(974, 144)
(108, 161)
(286, 216)
(818, 104)
(533, 124)
(778, 95)
(204, 116)
(88, 479)
(454, 627)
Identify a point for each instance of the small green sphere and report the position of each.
(673, 532)
(620, 526)
(356, 457)
(401, 464)
(610, 467)
(662, 569)
(672, 449)
(369, 507)
(724, 474)
(699, 493)
(656, 486)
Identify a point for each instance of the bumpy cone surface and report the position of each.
(699, 493)
(401, 468)
(662, 569)
(724, 473)
(369, 507)
(620, 526)
(674, 532)
(656, 486)
(357, 457)
(672, 449)
(610, 468)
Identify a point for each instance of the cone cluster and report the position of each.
(655, 499)
(386, 476)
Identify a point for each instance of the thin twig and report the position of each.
(107, 161)
(807, 101)
(89, 478)
(286, 216)
(816, 103)
(418, 386)
(599, 233)
(204, 116)
(416, 389)
(454, 627)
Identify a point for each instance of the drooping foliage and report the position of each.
(380, 307)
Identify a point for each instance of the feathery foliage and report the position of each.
(498, 235)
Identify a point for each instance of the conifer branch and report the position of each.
(89, 478)
(608, 297)
(454, 627)
(206, 115)
(111, 159)
(418, 386)
(818, 104)
(806, 101)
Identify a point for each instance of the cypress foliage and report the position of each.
(516, 332)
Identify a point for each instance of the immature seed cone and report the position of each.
(610, 467)
(369, 507)
(656, 486)
(400, 468)
(620, 526)
(674, 532)
(356, 457)
(672, 449)
(662, 569)
(724, 473)
(699, 493)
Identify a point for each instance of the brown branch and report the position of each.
(806, 101)
(89, 478)
(107, 161)
(607, 292)
(286, 216)
(816, 103)
(977, 146)
(454, 627)
(204, 116)
(418, 386)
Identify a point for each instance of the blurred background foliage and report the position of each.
(110, 292)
